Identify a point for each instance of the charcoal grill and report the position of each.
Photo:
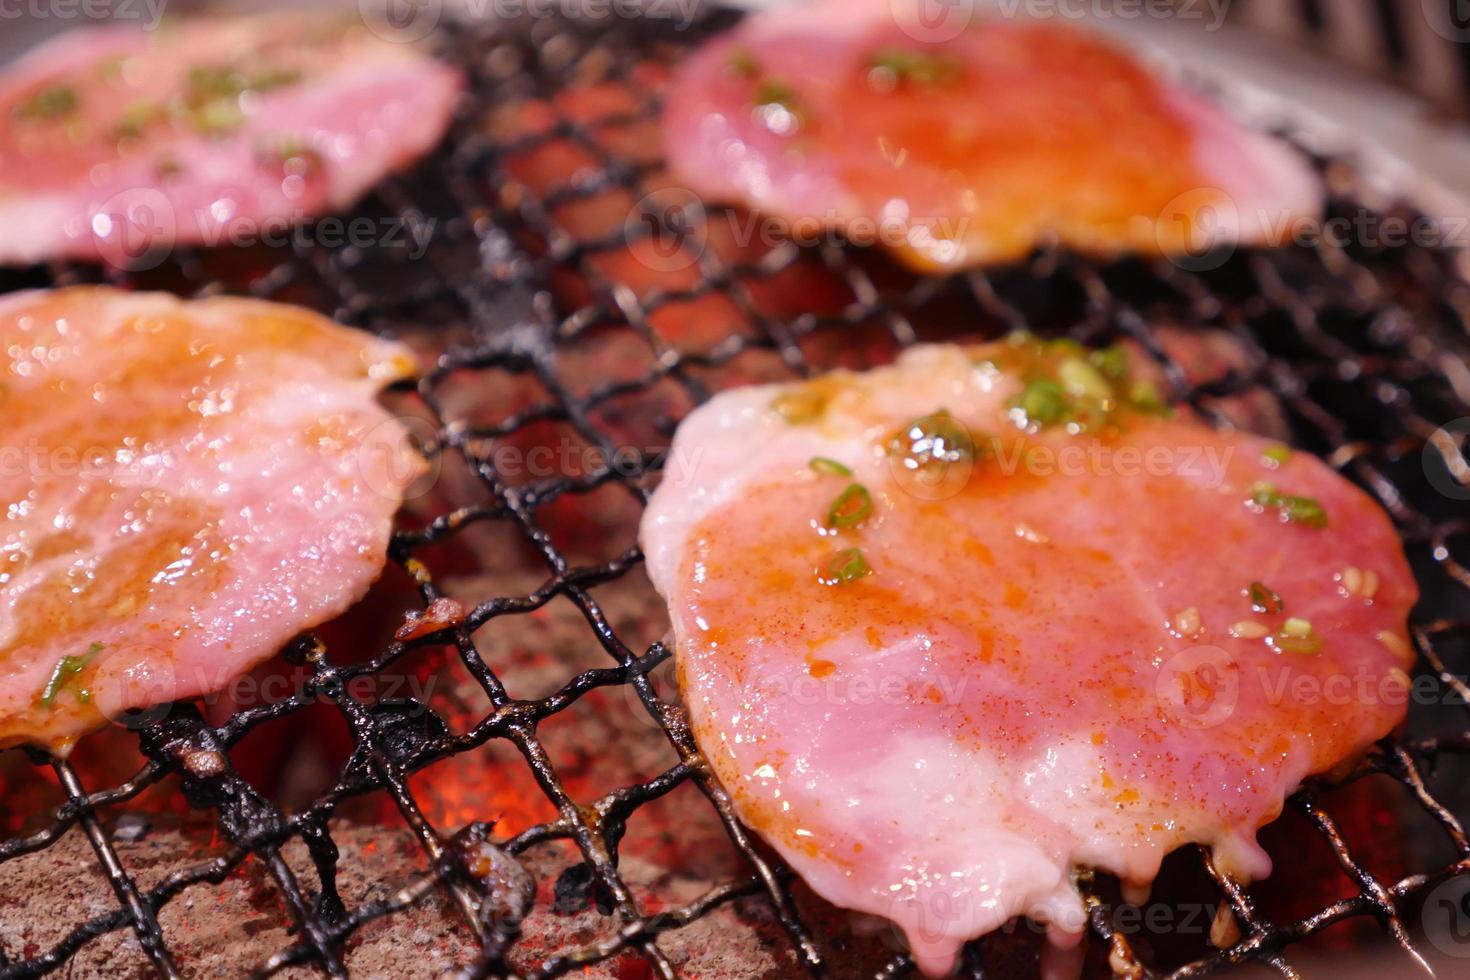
(1363, 345)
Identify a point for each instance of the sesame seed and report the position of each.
(1395, 643)
(1370, 584)
(1029, 533)
(1358, 582)
(1187, 622)
(1249, 629)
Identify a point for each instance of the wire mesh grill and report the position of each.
(1361, 346)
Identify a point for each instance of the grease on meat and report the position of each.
(961, 150)
(1056, 625)
(186, 487)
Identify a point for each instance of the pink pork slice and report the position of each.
(1053, 626)
(957, 147)
(118, 143)
(188, 485)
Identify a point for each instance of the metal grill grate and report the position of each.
(1357, 343)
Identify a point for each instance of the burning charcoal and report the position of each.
(577, 888)
(131, 827)
(573, 889)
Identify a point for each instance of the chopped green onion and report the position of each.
(1145, 397)
(744, 63)
(1065, 347)
(829, 467)
(773, 92)
(1304, 510)
(52, 102)
(1289, 644)
(1082, 380)
(66, 669)
(1111, 361)
(1265, 599)
(847, 565)
(212, 97)
(1297, 636)
(291, 155)
(288, 147)
(1276, 453)
(1071, 384)
(269, 78)
(853, 506)
(1293, 510)
(137, 117)
(1043, 401)
(918, 67)
(208, 82)
(217, 116)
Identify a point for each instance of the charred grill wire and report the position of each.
(1353, 341)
